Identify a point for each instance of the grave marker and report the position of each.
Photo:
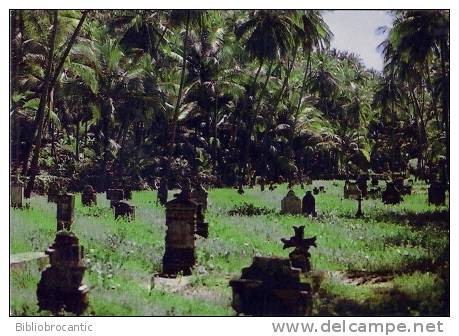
(351, 190)
(300, 255)
(124, 209)
(88, 196)
(309, 204)
(291, 204)
(114, 195)
(181, 226)
(271, 287)
(391, 195)
(437, 193)
(61, 286)
(17, 192)
(65, 211)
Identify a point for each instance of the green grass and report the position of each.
(409, 241)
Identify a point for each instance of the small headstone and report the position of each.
(61, 285)
(262, 184)
(351, 190)
(300, 255)
(271, 287)
(162, 191)
(272, 186)
(88, 196)
(199, 195)
(437, 193)
(114, 195)
(202, 227)
(65, 211)
(322, 189)
(179, 256)
(124, 209)
(391, 195)
(53, 191)
(17, 192)
(291, 204)
(309, 204)
(315, 190)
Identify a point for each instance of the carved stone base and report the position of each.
(178, 260)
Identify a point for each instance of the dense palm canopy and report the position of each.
(222, 95)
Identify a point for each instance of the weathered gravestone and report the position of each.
(300, 255)
(291, 204)
(17, 192)
(309, 204)
(351, 190)
(271, 287)
(322, 189)
(181, 226)
(61, 285)
(124, 209)
(391, 195)
(65, 214)
(202, 227)
(162, 191)
(53, 191)
(437, 193)
(199, 195)
(315, 191)
(88, 196)
(114, 195)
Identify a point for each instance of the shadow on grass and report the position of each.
(384, 302)
(439, 218)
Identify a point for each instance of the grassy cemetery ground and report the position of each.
(395, 261)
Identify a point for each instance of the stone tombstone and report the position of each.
(300, 255)
(114, 195)
(271, 287)
(88, 196)
(61, 285)
(309, 204)
(291, 204)
(322, 189)
(181, 226)
(17, 192)
(351, 190)
(65, 211)
(162, 191)
(199, 195)
(315, 191)
(124, 209)
(272, 186)
(437, 193)
(202, 227)
(391, 195)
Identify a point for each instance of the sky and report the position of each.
(355, 31)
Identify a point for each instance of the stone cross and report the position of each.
(315, 191)
(300, 255)
(179, 256)
(291, 204)
(17, 192)
(61, 285)
(88, 196)
(309, 204)
(114, 195)
(199, 195)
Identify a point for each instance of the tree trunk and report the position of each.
(179, 96)
(40, 117)
(285, 82)
(77, 141)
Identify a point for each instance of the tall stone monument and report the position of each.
(181, 226)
